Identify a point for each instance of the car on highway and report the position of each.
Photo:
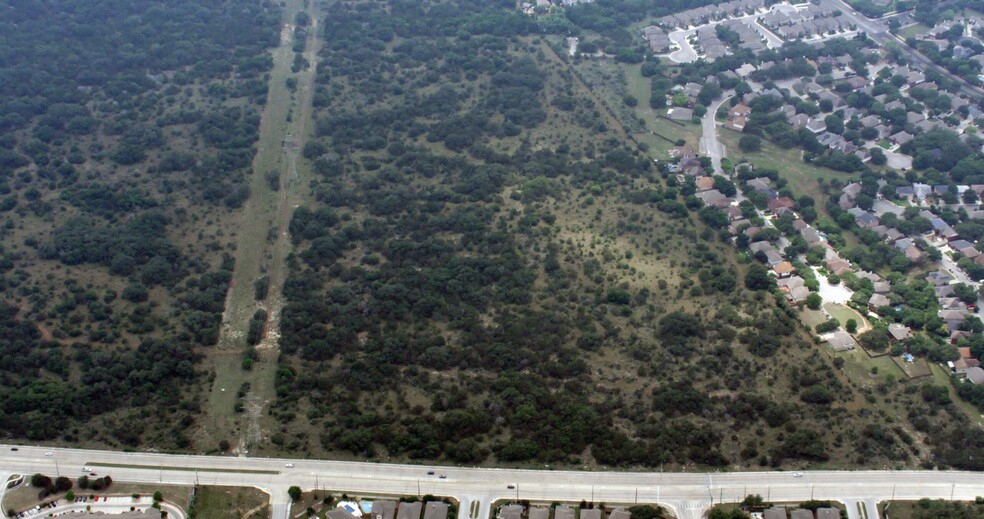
(430, 472)
(511, 487)
(443, 476)
(86, 469)
(49, 453)
(797, 474)
(289, 465)
(14, 449)
(92, 473)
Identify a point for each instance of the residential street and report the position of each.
(709, 143)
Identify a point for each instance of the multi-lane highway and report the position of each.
(687, 494)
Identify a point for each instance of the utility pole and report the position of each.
(768, 494)
(952, 489)
(812, 487)
(637, 495)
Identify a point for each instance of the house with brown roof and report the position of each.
(784, 269)
(839, 266)
(704, 183)
(899, 332)
(780, 205)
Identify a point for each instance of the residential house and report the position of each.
(905, 193)
(683, 152)
(439, 510)
(840, 341)
(801, 513)
(877, 301)
(591, 513)
(870, 121)
(796, 295)
(969, 252)
(882, 287)
(339, 513)
(899, 332)
(511, 512)
(783, 269)
(866, 220)
(839, 266)
(704, 183)
(828, 513)
(901, 137)
(975, 375)
(775, 513)
(816, 125)
(938, 278)
(563, 512)
(811, 235)
(383, 509)
(410, 510)
(913, 254)
(536, 512)
(781, 205)
(619, 513)
(680, 114)
(961, 365)
(799, 121)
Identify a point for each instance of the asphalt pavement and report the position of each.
(687, 494)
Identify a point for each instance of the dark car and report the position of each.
(14, 449)
(430, 472)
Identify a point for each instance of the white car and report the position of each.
(289, 465)
(86, 469)
(797, 474)
(49, 453)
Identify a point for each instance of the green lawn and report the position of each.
(843, 313)
(913, 30)
(803, 178)
(639, 87)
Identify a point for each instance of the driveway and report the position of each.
(898, 160)
(838, 293)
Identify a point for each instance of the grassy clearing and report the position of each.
(843, 313)
(913, 31)
(286, 118)
(942, 377)
(639, 87)
(858, 367)
(231, 503)
(916, 369)
(802, 177)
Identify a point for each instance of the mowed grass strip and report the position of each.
(167, 467)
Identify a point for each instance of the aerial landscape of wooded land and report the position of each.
(482, 232)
